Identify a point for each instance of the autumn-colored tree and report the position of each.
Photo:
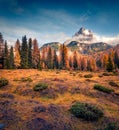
(17, 58)
(24, 53)
(6, 56)
(17, 45)
(75, 61)
(64, 64)
(83, 63)
(35, 54)
(30, 64)
(104, 61)
(71, 62)
(11, 58)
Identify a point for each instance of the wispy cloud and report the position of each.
(113, 40)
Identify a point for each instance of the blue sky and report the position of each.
(58, 20)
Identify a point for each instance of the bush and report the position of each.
(111, 126)
(112, 83)
(86, 111)
(26, 79)
(88, 76)
(106, 74)
(40, 86)
(103, 89)
(3, 82)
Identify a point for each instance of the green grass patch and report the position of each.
(3, 82)
(86, 111)
(40, 87)
(111, 126)
(103, 88)
(88, 76)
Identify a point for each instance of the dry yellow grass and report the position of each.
(109, 103)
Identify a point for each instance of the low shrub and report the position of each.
(106, 74)
(103, 88)
(40, 87)
(88, 76)
(111, 126)
(3, 82)
(86, 111)
(100, 76)
(112, 83)
(26, 79)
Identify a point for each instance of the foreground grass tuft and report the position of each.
(3, 82)
(112, 83)
(86, 111)
(40, 87)
(88, 76)
(103, 88)
(111, 126)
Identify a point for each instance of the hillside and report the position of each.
(23, 108)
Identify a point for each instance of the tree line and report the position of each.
(26, 55)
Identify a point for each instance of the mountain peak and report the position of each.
(84, 32)
(83, 35)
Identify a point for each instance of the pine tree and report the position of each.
(109, 66)
(116, 59)
(49, 58)
(35, 54)
(24, 53)
(55, 61)
(11, 58)
(6, 56)
(64, 57)
(1, 50)
(30, 64)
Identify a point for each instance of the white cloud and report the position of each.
(110, 40)
(11, 33)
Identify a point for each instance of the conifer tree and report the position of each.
(30, 64)
(11, 58)
(109, 66)
(6, 56)
(49, 58)
(64, 57)
(116, 59)
(24, 53)
(55, 61)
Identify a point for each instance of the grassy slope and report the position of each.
(21, 103)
